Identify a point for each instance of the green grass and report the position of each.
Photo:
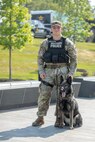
(24, 63)
(86, 57)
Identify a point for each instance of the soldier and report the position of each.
(57, 55)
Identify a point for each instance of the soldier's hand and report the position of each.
(43, 75)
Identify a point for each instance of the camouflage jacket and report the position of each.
(72, 52)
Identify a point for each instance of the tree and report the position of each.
(75, 13)
(15, 30)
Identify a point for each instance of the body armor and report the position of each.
(56, 52)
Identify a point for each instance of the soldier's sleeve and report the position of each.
(72, 51)
(42, 50)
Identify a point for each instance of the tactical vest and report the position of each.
(56, 52)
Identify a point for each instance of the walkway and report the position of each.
(15, 125)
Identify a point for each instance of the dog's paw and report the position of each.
(71, 127)
(59, 125)
(80, 125)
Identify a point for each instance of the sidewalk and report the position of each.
(16, 125)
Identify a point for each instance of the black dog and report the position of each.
(67, 107)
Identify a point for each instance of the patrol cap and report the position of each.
(56, 23)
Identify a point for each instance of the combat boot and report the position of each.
(39, 121)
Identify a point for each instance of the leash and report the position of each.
(57, 94)
(47, 83)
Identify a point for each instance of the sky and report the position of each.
(92, 2)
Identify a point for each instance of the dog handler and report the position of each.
(57, 55)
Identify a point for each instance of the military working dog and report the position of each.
(67, 107)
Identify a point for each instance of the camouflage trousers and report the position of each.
(45, 91)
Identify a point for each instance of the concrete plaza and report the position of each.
(16, 125)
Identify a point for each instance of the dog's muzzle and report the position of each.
(63, 93)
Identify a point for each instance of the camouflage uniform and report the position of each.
(62, 69)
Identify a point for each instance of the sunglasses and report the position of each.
(56, 27)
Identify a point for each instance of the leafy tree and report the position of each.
(77, 13)
(15, 30)
(73, 13)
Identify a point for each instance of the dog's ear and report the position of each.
(69, 80)
(61, 79)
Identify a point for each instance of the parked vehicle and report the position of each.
(45, 16)
(39, 30)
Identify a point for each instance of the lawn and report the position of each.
(86, 58)
(24, 63)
